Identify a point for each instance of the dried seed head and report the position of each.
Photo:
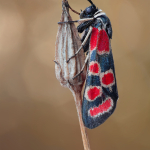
(67, 43)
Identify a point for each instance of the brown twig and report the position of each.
(78, 102)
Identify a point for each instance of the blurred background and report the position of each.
(36, 113)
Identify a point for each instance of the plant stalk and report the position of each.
(78, 102)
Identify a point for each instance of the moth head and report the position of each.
(89, 11)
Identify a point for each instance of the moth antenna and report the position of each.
(91, 2)
(67, 5)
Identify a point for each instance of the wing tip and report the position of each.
(93, 122)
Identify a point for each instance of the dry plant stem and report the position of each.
(67, 44)
(78, 102)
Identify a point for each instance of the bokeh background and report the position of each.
(36, 113)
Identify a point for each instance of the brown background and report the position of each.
(36, 113)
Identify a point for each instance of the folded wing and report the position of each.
(100, 95)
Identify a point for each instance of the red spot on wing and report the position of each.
(93, 41)
(93, 92)
(103, 42)
(108, 78)
(94, 68)
(101, 108)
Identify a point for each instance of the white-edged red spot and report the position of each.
(103, 43)
(92, 92)
(93, 40)
(106, 106)
(107, 78)
(94, 68)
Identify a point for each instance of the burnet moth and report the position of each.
(100, 93)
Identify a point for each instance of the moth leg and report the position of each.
(86, 38)
(86, 60)
(80, 20)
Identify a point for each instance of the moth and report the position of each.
(100, 93)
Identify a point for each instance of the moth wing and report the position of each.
(100, 94)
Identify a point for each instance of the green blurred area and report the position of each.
(36, 113)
